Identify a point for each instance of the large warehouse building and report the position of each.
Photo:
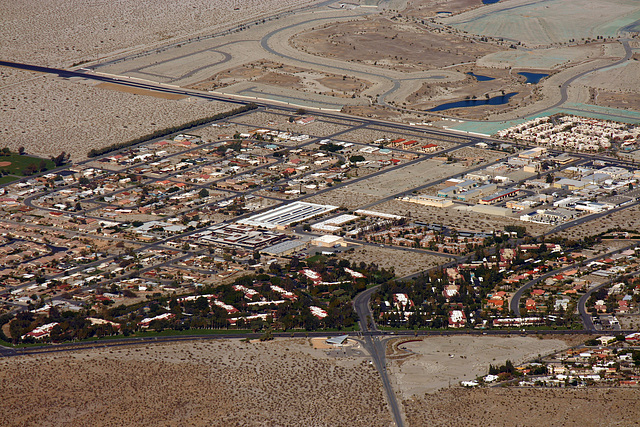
(283, 216)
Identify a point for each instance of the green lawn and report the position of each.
(19, 163)
(7, 179)
(317, 258)
(187, 332)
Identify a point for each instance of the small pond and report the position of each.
(496, 100)
(480, 78)
(533, 78)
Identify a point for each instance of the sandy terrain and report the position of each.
(198, 61)
(432, 368)
(627, 219)
(541, 59)
(543, 23)
(398, 44)
(403, 262)
(430, 8)
(343, 197)
(269, 120)
(617, 87)
(224, 383)
(526, 407)
(48, 115)
(60, 33)
(430, 94)
(278, 74)
(456, 218)
(379, 112)
(369, 135)
(406, 178)
(10, 76)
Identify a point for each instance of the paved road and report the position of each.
(225, 32)
(582, 306)
(515, 301)
(127, 81)
(591, 217)
(376, 346)
(158, 244)
(105, 343)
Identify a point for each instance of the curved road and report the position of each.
(515, 300)
(264, 43)
(564, 87)
(564, 96)
(582, 303)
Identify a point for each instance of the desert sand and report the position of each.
(65, 32)
(49, 114)
(403, 262)
(439, 362)
(526, 407)
(223, 383)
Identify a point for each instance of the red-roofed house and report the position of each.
(496, 303)
(41, 331)
(457, 319)
(429, 148)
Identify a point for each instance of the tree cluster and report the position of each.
(170, 130)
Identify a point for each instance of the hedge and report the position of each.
(168, 131)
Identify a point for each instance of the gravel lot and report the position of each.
(456, 218)
(627, 219)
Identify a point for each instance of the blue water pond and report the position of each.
(496, 100)
(533, 78)
(480, 78)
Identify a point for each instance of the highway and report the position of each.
(374, 340)
(376, 346)
(132, 82)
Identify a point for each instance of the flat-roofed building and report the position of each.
(570, 184)
(435, 201)
(533, 153)
(285, 248)
(333, 225)
(286, 215)
(468, 195)
(449, 191)
(478, 176)
(237, 235)
(499, 196)
(328, 241)
(491, 210)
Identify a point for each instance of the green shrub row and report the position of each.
(168, 131)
